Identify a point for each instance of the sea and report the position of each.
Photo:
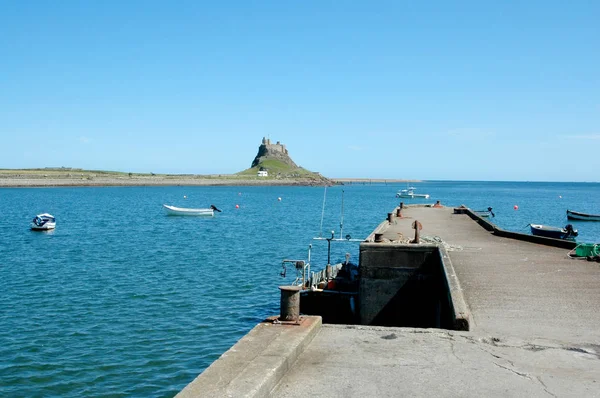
(122, 300)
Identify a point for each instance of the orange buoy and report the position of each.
(237, 206)
(516, 207)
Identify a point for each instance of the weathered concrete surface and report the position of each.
(535, 327)
(367, 361)
(256, 363)
(514, 288)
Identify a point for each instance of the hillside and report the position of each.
(275, 159)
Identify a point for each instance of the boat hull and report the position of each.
(552, 232)
(181, 211)
(574, 215)
(412, 195)
(46, 227)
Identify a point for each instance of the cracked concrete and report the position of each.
(363, 361)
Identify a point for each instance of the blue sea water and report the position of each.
(122, 300)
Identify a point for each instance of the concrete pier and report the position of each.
(529, 314)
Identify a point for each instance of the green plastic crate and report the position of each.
(587, 249)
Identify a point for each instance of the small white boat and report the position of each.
(182, 211)
(410, 193)
(43, 222)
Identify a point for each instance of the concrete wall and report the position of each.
(402, 285)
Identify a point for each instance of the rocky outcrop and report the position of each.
(273, 151)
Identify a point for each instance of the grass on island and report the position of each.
(278, 169)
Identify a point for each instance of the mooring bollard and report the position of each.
(402, 205)
(378, 237)
(390, 217)
(399, 212)
(417, 227)
(290, 303)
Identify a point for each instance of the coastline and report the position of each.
(85, 178)
(150, 181)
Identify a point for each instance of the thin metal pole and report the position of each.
(323, 212)
(342, 217)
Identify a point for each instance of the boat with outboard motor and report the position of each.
(43, 222)
(182, 211)
(410, 193)
(566, 233)
(575, 215)
(485, 213)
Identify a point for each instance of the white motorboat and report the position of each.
(43, 222)
(410, 193)
(183, 211)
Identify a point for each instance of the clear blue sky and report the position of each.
(470, 90)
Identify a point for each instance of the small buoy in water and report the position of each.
(237, 206)
(239, 194)
(184, 196)
(560, 196)
(279, 199)
(516, 207)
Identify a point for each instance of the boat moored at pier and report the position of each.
(575, 215)
(566, 233)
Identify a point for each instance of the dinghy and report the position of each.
(182, 211)
(575, 215)
(567, 233)
(43, 222)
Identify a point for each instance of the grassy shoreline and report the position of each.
(64, 177)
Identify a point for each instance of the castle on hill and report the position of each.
(273, 151)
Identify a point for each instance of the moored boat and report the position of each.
(575, 215)
(485, 213)
(183, 211)
(410, 193)
(567, 233)
(43, 222)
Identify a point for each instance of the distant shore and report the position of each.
(86, 178)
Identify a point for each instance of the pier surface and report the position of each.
(534, 327)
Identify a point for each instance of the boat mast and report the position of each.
(323, 212)
(342, 217)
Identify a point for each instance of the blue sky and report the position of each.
(464, 90)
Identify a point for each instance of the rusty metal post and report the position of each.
(290, 303)
(399, 212)
(390, 217)
(417, 227)
(416, 240)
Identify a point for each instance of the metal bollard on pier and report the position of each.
(290, 304)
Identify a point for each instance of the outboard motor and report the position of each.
(215, 208)
(570, 230)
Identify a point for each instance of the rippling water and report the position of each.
(122, 300)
